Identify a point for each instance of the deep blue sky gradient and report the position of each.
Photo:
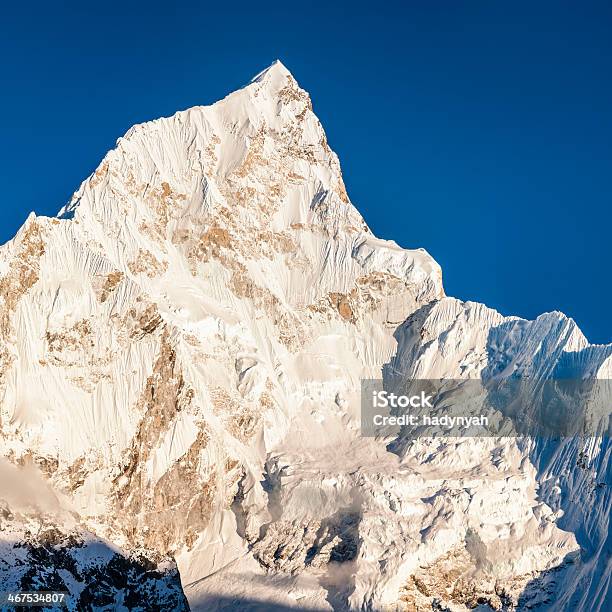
(481, 131)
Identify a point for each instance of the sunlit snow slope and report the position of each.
(180, 360)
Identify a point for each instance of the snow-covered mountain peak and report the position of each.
(255, 172)
(181, 354)
(274, 73)
(272, 112)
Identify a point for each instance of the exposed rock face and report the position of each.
(44, 547)
(181, 357)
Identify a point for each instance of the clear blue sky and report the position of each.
(481, 131)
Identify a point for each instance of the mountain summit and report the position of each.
(181, 355)
(276, 70)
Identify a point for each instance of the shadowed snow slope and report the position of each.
(181, 352)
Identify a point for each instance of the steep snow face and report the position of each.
(181, 353)
(453, 339)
